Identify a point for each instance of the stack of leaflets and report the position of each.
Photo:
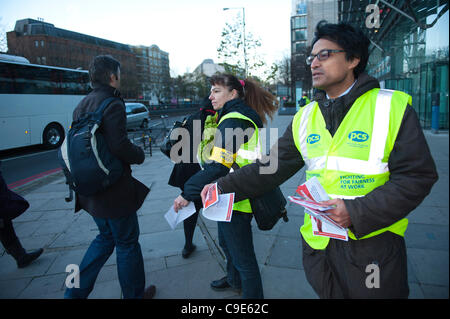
(218, 207)
(311, 194)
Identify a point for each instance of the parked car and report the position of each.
(137, 115)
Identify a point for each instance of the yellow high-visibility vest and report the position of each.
(354, 161)
(246, 154)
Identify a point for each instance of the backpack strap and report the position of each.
(99, 112)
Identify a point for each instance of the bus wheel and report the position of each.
(53, 136)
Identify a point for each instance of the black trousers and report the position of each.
(190, 223)
(375, 267)
(9, 238)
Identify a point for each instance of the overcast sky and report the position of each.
(189, 30)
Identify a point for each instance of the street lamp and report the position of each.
(243, 23)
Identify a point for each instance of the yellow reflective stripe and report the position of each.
(380, 125)
(302, 131)
(248, 155)
(351, 165)
(333, 196)
(315, 163)
(222, 156)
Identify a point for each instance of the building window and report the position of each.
(38, 60)
(36, 44)
(44, 60)
(42, 43)
(300, 22)
(299, 47)
(301, 8)
(299, 35)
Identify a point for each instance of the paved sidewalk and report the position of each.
(65, 236)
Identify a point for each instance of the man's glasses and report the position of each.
(321, 56)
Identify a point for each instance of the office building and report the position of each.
(153, 73)
(304, 17)
(409, 49)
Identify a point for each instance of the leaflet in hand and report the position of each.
(174, 218)
(218, 207)
(311, 194)
(212, 196)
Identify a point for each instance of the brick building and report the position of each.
(42, 43)
(153, 73)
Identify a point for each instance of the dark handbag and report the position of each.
(269, 208)
(167, 143)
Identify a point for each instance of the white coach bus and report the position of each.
(36, 103)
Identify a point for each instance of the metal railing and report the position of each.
(151, 136)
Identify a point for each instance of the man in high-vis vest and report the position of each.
(366, 147)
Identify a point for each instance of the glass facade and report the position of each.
(409, 50)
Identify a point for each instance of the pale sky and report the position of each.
(189, 30)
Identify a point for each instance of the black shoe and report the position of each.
(27, 258)
(187, 252)
(150, 292)
(222, 284)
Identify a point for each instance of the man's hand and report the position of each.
(179, 203)
(339, 214)
(205, 191)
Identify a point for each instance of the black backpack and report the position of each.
(87, 163)
(188, 124)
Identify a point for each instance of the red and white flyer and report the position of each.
(311, 194)
(212, 196)
(222, 210)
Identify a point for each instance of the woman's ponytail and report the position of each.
(255, 96)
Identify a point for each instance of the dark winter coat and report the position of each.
(412, 169)
(213, 170)
(11, 204)
(127, 195)
(181, 172)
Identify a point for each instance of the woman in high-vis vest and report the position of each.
(366, 147)
(242, 107)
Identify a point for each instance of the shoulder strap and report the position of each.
(237, 115)
(104, 104)
(98, 114)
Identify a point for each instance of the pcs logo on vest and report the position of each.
(313, 138)
(358, 138)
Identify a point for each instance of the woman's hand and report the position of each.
(179, 203)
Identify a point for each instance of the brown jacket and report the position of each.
(128, 194)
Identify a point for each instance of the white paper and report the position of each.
(174, 218)
(322, 225)
(328, 230)
(222, 210)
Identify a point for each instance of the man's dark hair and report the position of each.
(349, 38)
(101, 68)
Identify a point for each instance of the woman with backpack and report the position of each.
(242, 107)
(183, 170)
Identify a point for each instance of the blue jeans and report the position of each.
(123, 234)
(236, 240)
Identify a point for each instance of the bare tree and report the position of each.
(230, 49)
(3, 39)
